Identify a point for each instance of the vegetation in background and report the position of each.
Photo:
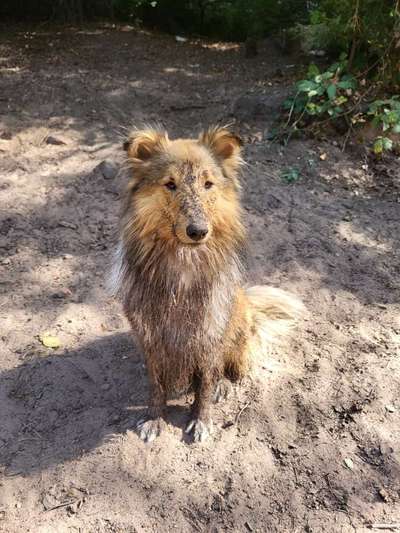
(360, 88)
(225, 19)
(337, 97)
(367, 31)
(365, 34)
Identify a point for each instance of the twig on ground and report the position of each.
(64, 504)
(395, 525)
(349, 131)
(240, 412)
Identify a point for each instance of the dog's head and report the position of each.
(184, 191)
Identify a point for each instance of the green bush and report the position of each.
(323, 94)
(385, 116)
(336, 95)
(367, 31)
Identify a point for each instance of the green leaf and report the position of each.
(396, 128)
(313, 70)
(324, 76)
(341, 100)
(345, 84)
(331, 91)
(376, 122)
(313, 109)
(378, 146)
(306, 85)
(392, 117)
(326, 106)
(290, 175)
(387, 143)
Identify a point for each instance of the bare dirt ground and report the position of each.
(312, 442)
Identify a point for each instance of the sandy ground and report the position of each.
(311, 443)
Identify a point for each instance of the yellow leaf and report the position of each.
(50, 341)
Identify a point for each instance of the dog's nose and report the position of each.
(196, 233)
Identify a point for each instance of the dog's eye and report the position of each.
(171, 185)
(208, 184)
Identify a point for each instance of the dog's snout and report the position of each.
(196, 232)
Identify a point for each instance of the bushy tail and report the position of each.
(272, 314)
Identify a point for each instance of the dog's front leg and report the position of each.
(201, 424)
(150, 427)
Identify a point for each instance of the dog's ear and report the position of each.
(141, 145)
(225, 146)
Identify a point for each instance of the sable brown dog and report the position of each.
(179, 271)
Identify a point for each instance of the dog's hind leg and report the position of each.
(236, 341)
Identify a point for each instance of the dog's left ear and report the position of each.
(226, 148)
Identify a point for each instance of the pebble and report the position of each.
(54, 140)
(108, 169)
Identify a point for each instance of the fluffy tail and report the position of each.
(272, 314)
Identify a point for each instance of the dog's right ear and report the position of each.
(141, 145)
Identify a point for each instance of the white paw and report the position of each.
(148, 430)
(200, 430)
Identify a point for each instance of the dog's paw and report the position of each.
(222, 391)
(200, 430)
(149, 429)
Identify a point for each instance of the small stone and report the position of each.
(106, 386)
(54, 140)
(61, 294)
(108, 169)
(66, 224)
(390, 408)
(384, 495)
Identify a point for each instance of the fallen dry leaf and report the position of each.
(349, 463)
(50, 341)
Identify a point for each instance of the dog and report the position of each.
(180, 268)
